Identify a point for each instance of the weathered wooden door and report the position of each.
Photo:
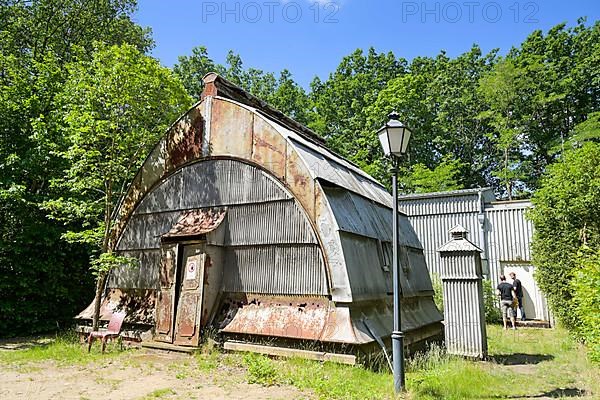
(166, 299)
(190, 293)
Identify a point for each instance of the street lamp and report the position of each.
(394, 137)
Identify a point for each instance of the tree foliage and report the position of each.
(283, 92)
(566, 216)
(112, 110)
(586, 295)
(44, 280)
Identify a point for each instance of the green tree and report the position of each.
(112, 110)
(586, 295)
(562, 81)
(442, 178)
(505, 90)
(283, 93)
(566, 215)
(291, 99)
(340, 102)
(191, 69)
(438, 100)
(43, 280)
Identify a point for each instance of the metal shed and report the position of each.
(499, 228)
(244, 221)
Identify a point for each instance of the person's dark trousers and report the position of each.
(520, 299)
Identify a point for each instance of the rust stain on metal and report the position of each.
(269, 148)
(195, 223)
(163, 313)
(300, 182)
(281, 317)
(186, 315)
(231, 129)
(184, 141)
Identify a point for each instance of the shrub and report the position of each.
(438, 292)
(566, 215)
(586, 295)
(490, 303)
(261, 369)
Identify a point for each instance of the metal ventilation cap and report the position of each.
(458, 232)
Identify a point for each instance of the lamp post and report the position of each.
(394, 137)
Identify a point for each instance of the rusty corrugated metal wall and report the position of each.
(301, 223)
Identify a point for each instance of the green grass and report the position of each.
(261, 369)
(208, 356)
(64, 349)
(547, 363)
(335, 381)
(523, 363)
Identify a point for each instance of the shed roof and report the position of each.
(488, 193)
(323, 163)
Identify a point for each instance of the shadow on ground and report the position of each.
(558, 393)
(24, 343)
(520, 358)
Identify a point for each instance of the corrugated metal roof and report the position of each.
(488, 191)
(323, 164)
(355, 214)
(459, 245)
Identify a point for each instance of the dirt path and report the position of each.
(138, 376)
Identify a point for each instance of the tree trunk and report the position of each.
(100, 282)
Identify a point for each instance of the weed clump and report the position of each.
(261, 369)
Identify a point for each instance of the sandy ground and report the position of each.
(138, 376)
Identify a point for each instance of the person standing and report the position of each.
(519, 292)
(507, 293)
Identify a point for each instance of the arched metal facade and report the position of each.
(304, 248)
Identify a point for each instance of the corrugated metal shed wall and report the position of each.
(507, 232)
(433, 231)
(432, 218)
(271, 247)
(465, 335)
(270, 269)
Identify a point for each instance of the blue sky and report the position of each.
(309, 37)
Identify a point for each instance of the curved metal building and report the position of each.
(243, 220)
